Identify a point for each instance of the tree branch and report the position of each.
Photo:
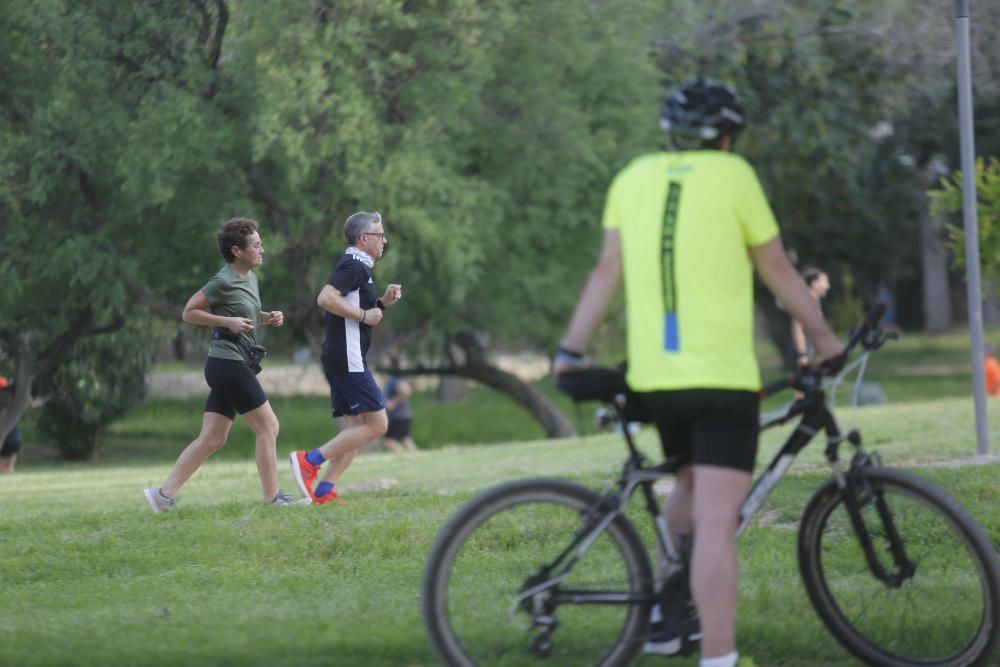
(157, 306)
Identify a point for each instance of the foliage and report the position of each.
(845, 311)
(486, 133)
(101, 380)
(109, 161)
(948, 199)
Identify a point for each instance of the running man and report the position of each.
(352, 310)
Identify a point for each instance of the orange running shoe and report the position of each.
(304, 474)
(330, 496)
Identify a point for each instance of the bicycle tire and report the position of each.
(482, 557)
(944, 615)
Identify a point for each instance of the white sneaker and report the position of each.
(158, 502)
(285, 500)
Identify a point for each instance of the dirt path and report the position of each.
(307, 379)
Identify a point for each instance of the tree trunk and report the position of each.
(777, 323)
(474, 365)
(934, 259)
(13, 410)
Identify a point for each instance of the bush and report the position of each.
(104, 377)
(948, 199)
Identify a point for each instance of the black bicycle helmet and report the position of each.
(702, 108)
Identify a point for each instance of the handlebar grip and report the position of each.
(869, 324)
(875, 314)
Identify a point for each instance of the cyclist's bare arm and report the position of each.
(799, 340)
(594, 299)
(785, 283)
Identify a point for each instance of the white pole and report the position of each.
(970, 221)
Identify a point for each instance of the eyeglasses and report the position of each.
(380, 235)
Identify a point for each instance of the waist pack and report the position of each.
(252, 354)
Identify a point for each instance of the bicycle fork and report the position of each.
(857, 492)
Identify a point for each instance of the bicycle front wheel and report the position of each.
(496, 547)
(940, 610)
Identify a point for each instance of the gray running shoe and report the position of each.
(158, 502)
(284, 499)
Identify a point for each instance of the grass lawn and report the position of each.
(91, 577)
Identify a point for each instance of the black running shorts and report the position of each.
(12, 445)
(353, 393)
(398, 429)
(716, 427)
(235, 388)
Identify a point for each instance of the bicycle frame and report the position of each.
(634, 474)
(816, 416)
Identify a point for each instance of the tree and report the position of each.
(948, 199)
(102, 150)
(431, 112)
(848, 104)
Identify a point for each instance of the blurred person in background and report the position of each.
(353, 309)
(818, 283)
(12, 443)
(230, 303)
(991, 368)
(397, 394)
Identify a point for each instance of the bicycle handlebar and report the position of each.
(808, 378)
(603, 384)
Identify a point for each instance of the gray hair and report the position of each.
(358, 224)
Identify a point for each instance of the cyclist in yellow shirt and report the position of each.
(686, 228)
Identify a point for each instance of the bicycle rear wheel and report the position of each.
(943, 614)
(483, 558)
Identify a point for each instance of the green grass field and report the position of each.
(91, 577)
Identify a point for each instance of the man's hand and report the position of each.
(274, 318)
(373, 316)
(827, 347)
(567, 361)
(393, 293)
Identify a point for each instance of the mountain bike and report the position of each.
(549, 571)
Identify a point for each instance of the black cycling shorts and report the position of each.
(716, 427)
(235, 388)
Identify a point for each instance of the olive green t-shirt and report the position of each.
(685, 221)
(232, 295)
